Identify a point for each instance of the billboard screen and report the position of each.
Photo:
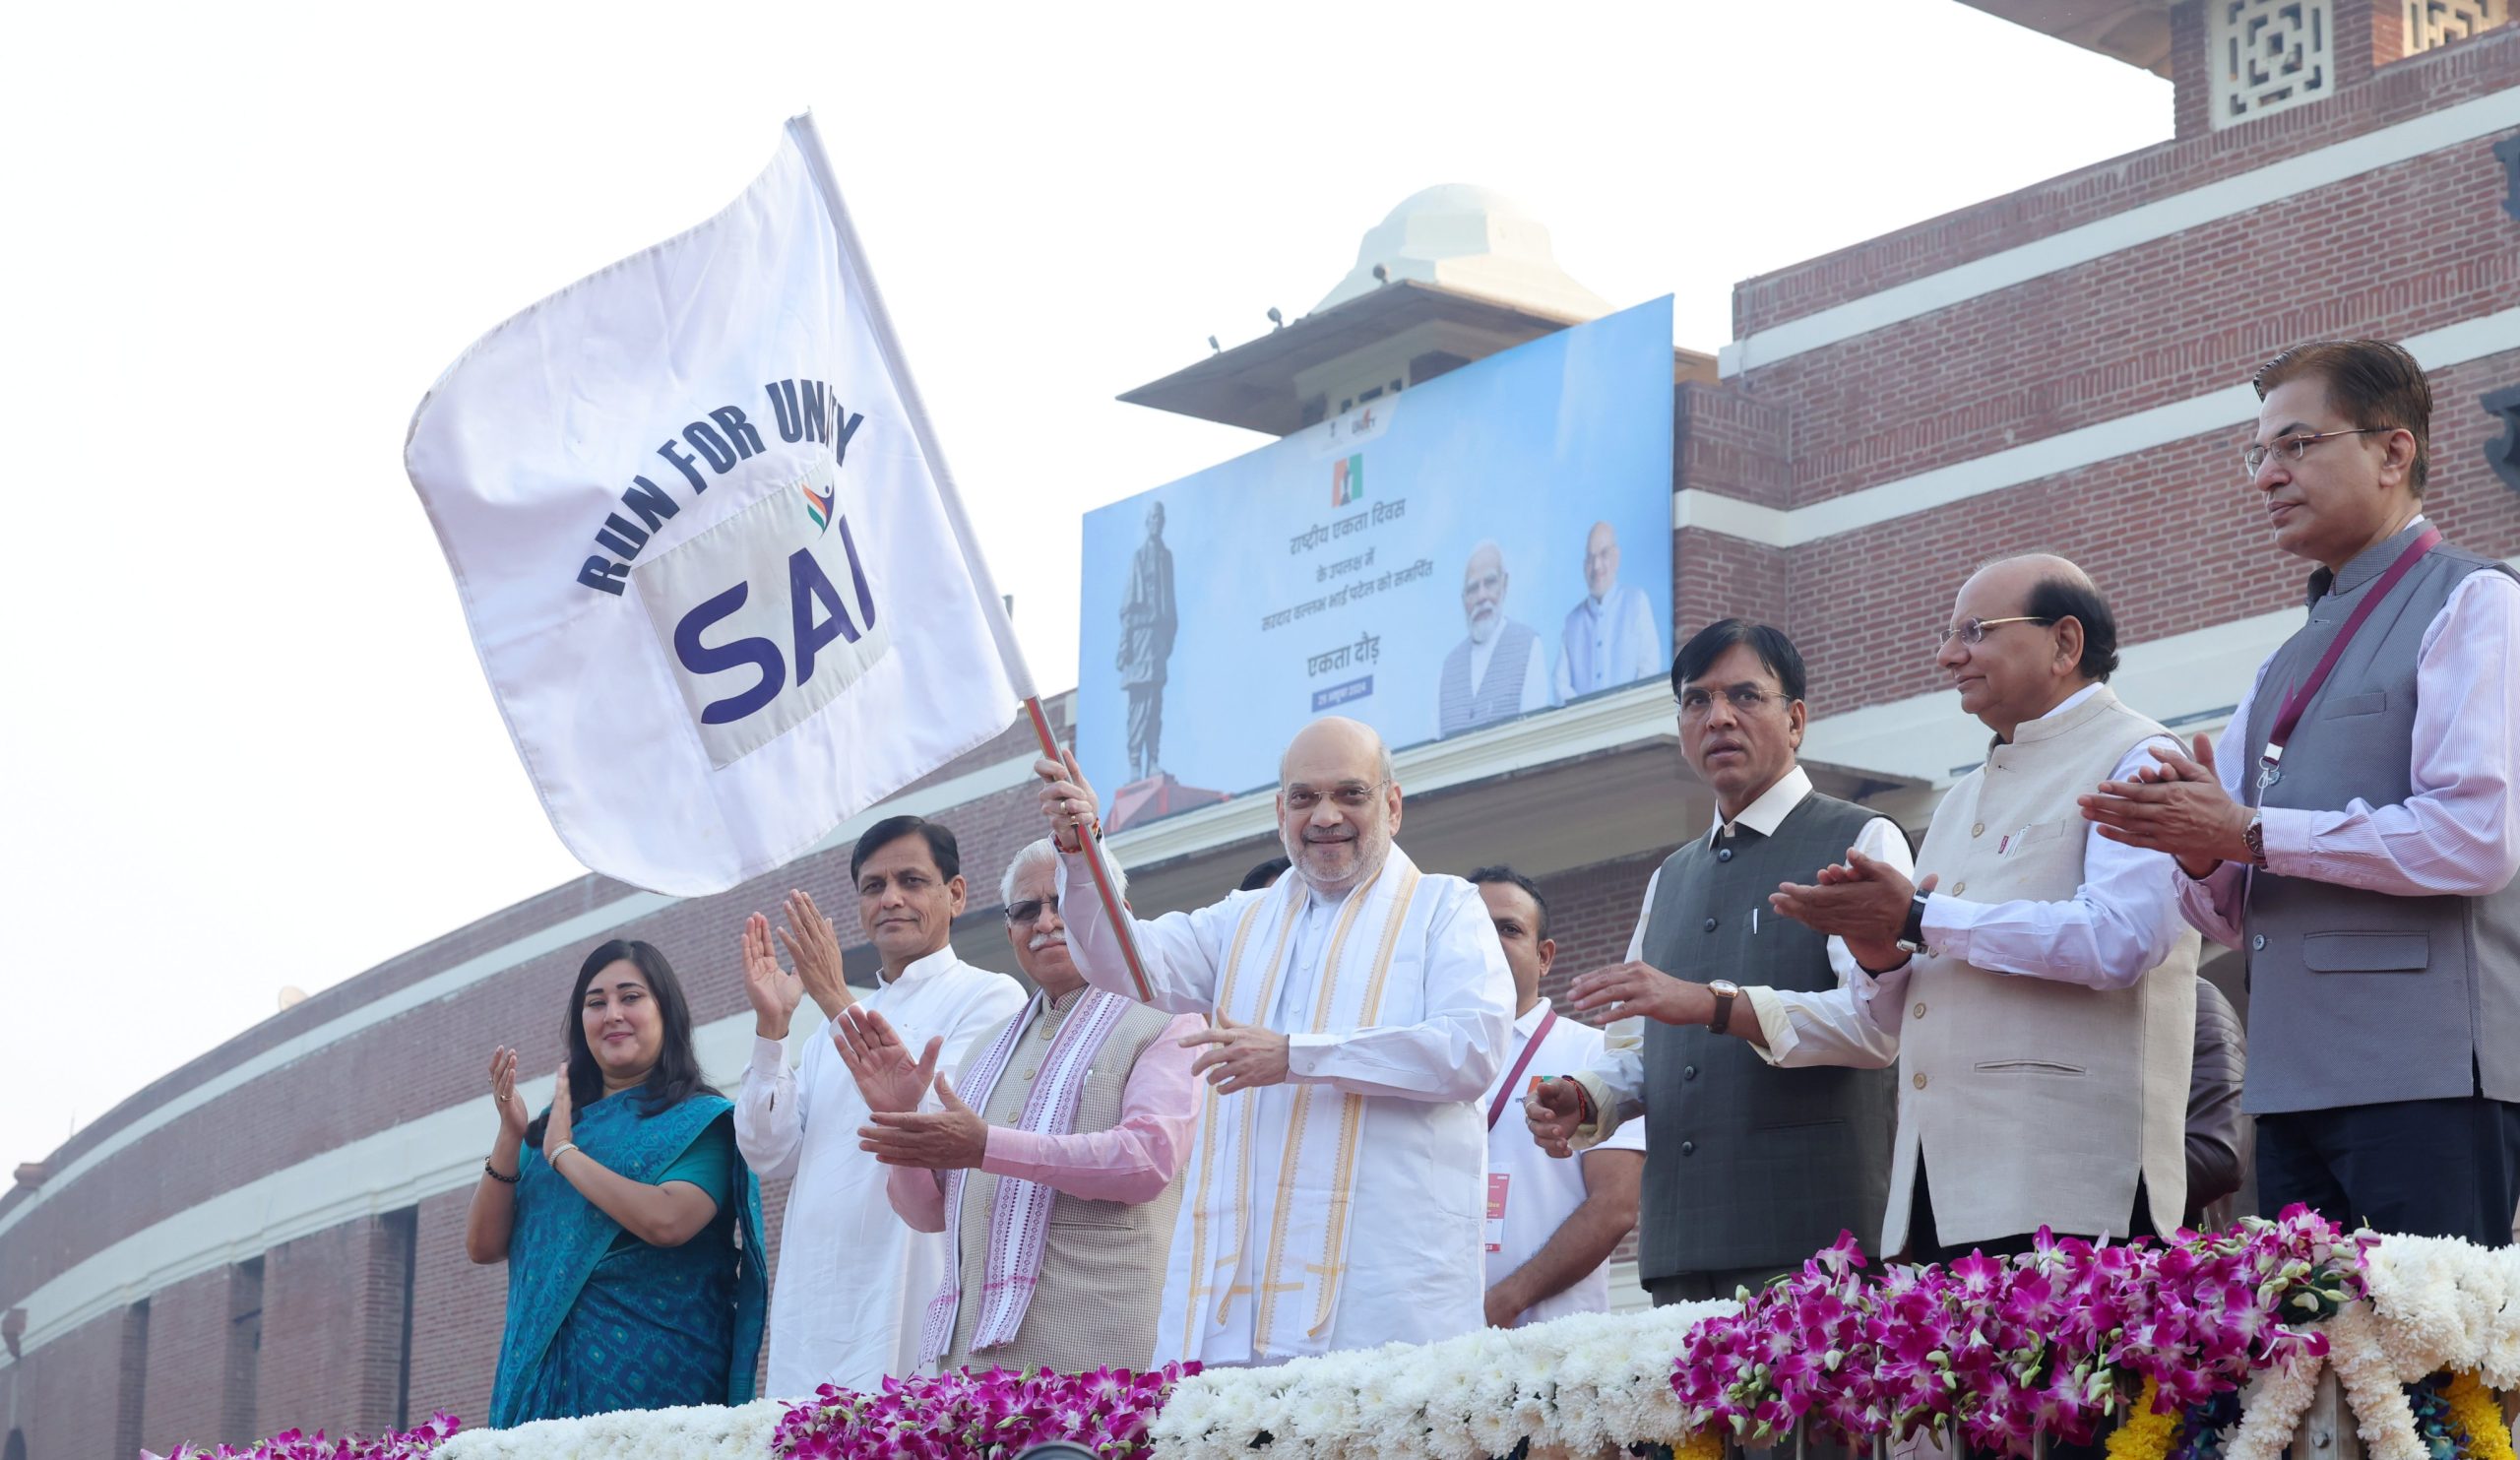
(1489, 545)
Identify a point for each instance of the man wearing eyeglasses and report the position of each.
(1057, 1181)
(1337, 1189)
(1749, 1167)
(2038, 978)
(2353, 834)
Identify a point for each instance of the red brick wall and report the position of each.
(186, 1395)
(333, 1328)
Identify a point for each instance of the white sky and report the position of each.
(247, 741)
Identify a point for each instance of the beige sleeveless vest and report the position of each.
(2031, 1102)
(1101, 1261)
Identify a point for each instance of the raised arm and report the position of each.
(1180, 950)
(491, 1219)
(769, 1109)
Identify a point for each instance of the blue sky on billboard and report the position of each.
(1418, 564)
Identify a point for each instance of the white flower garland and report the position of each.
(1571, 1387)
(692, 1432)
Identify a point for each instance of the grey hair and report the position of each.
(1041, 851)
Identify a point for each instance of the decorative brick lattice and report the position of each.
(2437, 22)
(2270, 55)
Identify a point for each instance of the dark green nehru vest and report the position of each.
(1746, 1165)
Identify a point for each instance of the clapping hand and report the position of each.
(1243, 1057)
(774, 991)
(815, 946)
(556, 1130)
(886, 1075)
(2180, 808)
(1862, 900)
(950, 1139)
(1553, 1111)
(513, 1118)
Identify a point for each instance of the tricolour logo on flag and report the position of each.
(716, 576)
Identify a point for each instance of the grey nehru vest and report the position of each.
(1746, 1165)
(1499, 696)
(2362, 997)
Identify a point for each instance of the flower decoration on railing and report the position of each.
(415, 1444)
(2063, 1340)
(987, 1415)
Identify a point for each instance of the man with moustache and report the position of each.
(1608, 638)
(1552, 1225)
(2037, 980)
(853, 1282)
(1337, 1189)
(1058, 1182)
(1501, 670)
(1755, 1160)
(2353, 834)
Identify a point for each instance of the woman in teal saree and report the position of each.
(630, 1224)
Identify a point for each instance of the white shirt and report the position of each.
(1537, 1190)
(854, 1280)
(1618, 632)
(2118, 924)
(2457, 832)
(1414, 1271)
(1788, 1019)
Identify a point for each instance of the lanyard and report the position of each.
(1506, 1092)
(2271, 764)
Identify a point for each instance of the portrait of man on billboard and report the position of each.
(1608, 639)
(1148, 623)
(1499, 671)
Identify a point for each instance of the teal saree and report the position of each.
(598, 1320)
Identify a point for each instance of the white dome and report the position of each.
(1473, 240)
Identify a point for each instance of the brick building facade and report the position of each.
(272, 1235)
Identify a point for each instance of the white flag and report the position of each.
(715, 569)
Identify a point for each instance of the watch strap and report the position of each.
(1912, 934)
(1722, 1018)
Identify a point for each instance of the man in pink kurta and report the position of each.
(1059, 1179)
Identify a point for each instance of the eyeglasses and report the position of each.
(1029, 910)
(1973, 630)
(2297, 447)
(1746, 699)
(1352, 797)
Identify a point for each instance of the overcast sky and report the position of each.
(247, 741)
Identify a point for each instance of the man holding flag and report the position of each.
(1336, 1184)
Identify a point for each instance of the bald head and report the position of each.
(1338, 805)
(2044, 632)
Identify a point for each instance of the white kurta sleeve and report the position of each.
(1455, 1049)
(1181, 950)
(1838, 1026)
(769, 1109)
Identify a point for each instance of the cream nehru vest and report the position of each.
(2032, 1101)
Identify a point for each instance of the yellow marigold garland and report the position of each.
(2147, 1432)
(1708, 1444)
(2479, 1416)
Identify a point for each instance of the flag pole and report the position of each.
(879, 321)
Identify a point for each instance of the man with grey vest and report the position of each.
(1501, 670)
(1749, 1168)
(2355, 837)
(2044, 1000)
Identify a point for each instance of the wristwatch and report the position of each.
(1725, 991)
(1912, 934)
(2255, 840)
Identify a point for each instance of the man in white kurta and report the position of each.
(852, 1279)
(1336, 1186)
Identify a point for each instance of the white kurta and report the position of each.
(854, 1280)
(1409, 1262)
